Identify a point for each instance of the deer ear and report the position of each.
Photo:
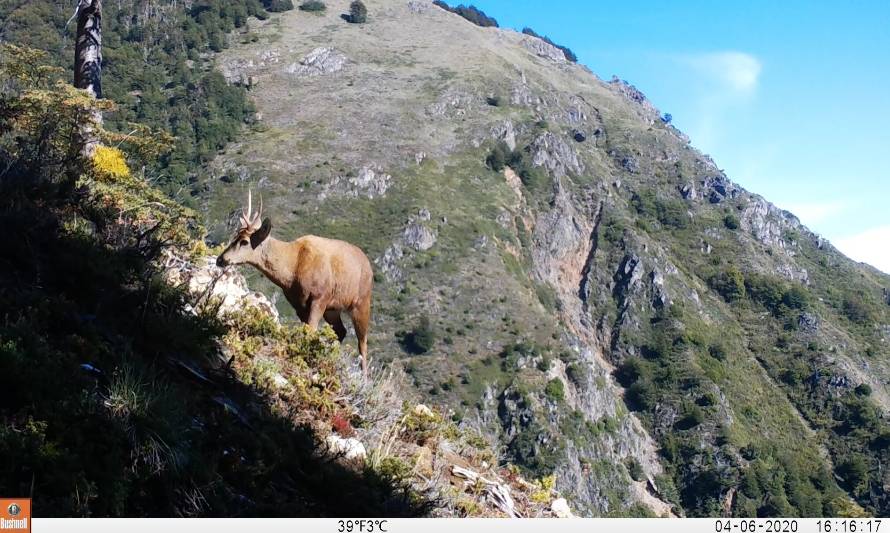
(261, 234)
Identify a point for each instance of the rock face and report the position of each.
(554, 154)
(318, 62)
(543, 49)
(644, 106)
(505, 132)
(369, 183)
(211, 283)
(417, 236)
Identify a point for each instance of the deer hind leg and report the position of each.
(361, 319)
(333, 318)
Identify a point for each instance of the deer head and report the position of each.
(246, 246)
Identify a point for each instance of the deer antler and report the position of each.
(249, 219)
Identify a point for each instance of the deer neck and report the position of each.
(276, 261)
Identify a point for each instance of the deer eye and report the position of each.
(244, 242)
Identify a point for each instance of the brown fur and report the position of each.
(321, 278)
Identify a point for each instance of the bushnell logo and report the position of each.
(15, 515)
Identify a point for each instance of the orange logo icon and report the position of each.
(15, 515)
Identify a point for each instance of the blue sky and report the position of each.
(790, 98)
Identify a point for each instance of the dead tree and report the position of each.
(88, 47)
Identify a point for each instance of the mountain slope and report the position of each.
(608, 306)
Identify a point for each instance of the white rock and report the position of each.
(349, 449)
(207, 281)
(319, 61)
(422, 410)
(560, 508)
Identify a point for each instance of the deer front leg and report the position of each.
(316, 312)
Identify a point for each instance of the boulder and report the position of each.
(350, 449)
(208, 282)
(560, 508)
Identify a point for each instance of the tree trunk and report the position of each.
(88, 47)
(88, 66)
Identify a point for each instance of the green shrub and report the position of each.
(671, 212)
(765, 290)
(717, 351)
(863, 389)
(693, 417)
(731, 222)
(422, 338)
(278, 6)
(358, 13)
(498, 157)
(641, 396)
(857, 310)
(313, 6)
(635, 469)
(730, 284)
(555, 390)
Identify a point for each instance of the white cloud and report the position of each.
(718, 82)
(872, 246)
(737, 71)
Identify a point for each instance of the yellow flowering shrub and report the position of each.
(110, 163)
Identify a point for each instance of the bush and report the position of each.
(555, 390)
(358, 13)
(731, 222)
(857, 310)
(278, 6)
(313, 6)
(498, 157)
(796, 297)
(854, 472)
(422, 338)
(729, 284)
(863, 389)
(765, 290)
(694, 416)
(641, 396)
(671, 213)
(635, 469)
(717, 351)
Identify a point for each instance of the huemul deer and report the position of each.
(321, 278)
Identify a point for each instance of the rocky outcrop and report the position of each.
(369, 183)
(454, 102)
(318, 62)
(504, 131)
(213, 286)
(543, 50)
(417, 236)
(552, 153)
(642, 104)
